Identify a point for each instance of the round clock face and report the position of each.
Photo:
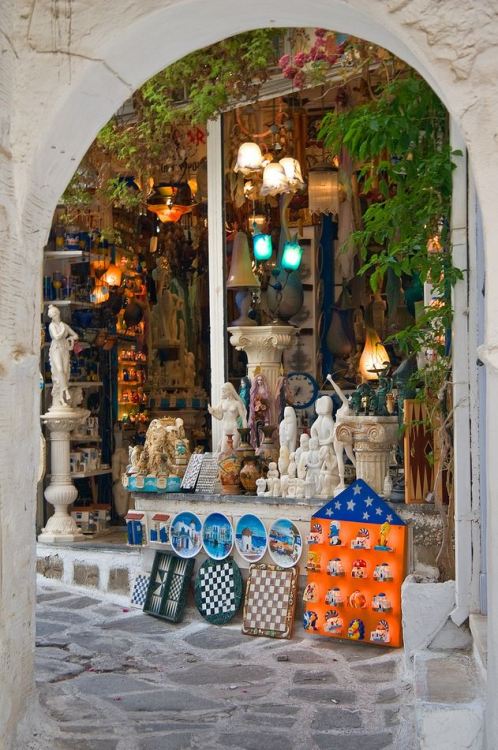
(303, 389)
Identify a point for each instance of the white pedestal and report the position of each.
(264, 346)
(61, 492)
(372, 439)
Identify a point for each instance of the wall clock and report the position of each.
(302, 388)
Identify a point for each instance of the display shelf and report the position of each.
(132, 362)
(129, 382)
(81, 383)
(68, 303)
(66, 254)
(94, 473)
(85, 439)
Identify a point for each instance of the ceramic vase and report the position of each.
(230, 465)
(268, 451)
(252, 470)
(244, 448)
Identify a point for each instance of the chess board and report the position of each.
(218, 590)
(270, 601)
(139, 592)
(168, 586)
(192, 472)
(208, 474)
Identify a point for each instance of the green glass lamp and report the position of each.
(262, 247)
(292, 255)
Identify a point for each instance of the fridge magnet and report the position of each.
(251, 538)
(335, 567)
(383, 543)
(285, 543)
(356, 630)
(334, 534)
(270, 601)
(310, 620)
(310, 593)
(334, 597)
(316, 534)
(357, 600)
(185, 532)
(333, 621)
(362, 540)
(139, 591)
(168, 585)
(381, 632)
(218, 590)
(359, 569)
(381, 602)
(313, 563)
(217, 536)
(383, 572)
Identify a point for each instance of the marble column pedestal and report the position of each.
(373, 439)
(61, 492)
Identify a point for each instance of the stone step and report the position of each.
(449, 701)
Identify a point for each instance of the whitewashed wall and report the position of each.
(64, 69)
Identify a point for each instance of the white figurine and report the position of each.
(326, 482)
(290, 479)
(388, 486)
(272, 480)
(304, 444)
(323, 428)
(232, 412)
(302, 463)
(287, 430)
(260, 487)
(340, 447)
(314, 463)
(283, 459)
(61, 344)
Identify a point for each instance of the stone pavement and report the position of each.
(116, 679)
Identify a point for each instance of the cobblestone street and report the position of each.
(116, 679)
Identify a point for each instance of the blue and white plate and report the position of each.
(285, 543)
(217, 536)
(186, 534)
(251, 539)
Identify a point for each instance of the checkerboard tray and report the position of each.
(270, 601)
(168, 586)
(218, 590)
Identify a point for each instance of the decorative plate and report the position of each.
(217, 536)
(186, 534)
(285, 543)
(270, 601)
(251, 539)
(218, 590)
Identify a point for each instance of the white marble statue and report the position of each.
(283, 459)
(232, 412)
(304, 444)
(287, 430)
(61, 345)
(314, 464)
(340, 447)
(323, 428)
(260, 487)
(272, 480)
(328, 478)
(302, 462)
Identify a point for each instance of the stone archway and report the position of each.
(61, 78)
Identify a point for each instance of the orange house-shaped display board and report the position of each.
(355, 568)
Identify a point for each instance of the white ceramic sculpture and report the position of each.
(314, 464)
(340, 447)
(283, 459)
(61, 345)
(304, 444)
(272, 480)
(287, 430)
(260, 487)
(327, 480)
(232, 412)
(323, 428)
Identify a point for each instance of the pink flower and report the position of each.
(299, 80)
(289, 71)
(300, 59)
(317, 54)
(320, 33)
(284, 61)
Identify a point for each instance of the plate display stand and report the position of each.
(168, 586)
(270, 601)
(355, 568)
(218, 590)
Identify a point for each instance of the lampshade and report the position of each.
(262, 247)
(112, 277)
(374, 356)
(323, 190)
(166, 213)
(249, 158)
(241, 274)
(99, 294)
(292, 170)
(275, 180)
(292, 255)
